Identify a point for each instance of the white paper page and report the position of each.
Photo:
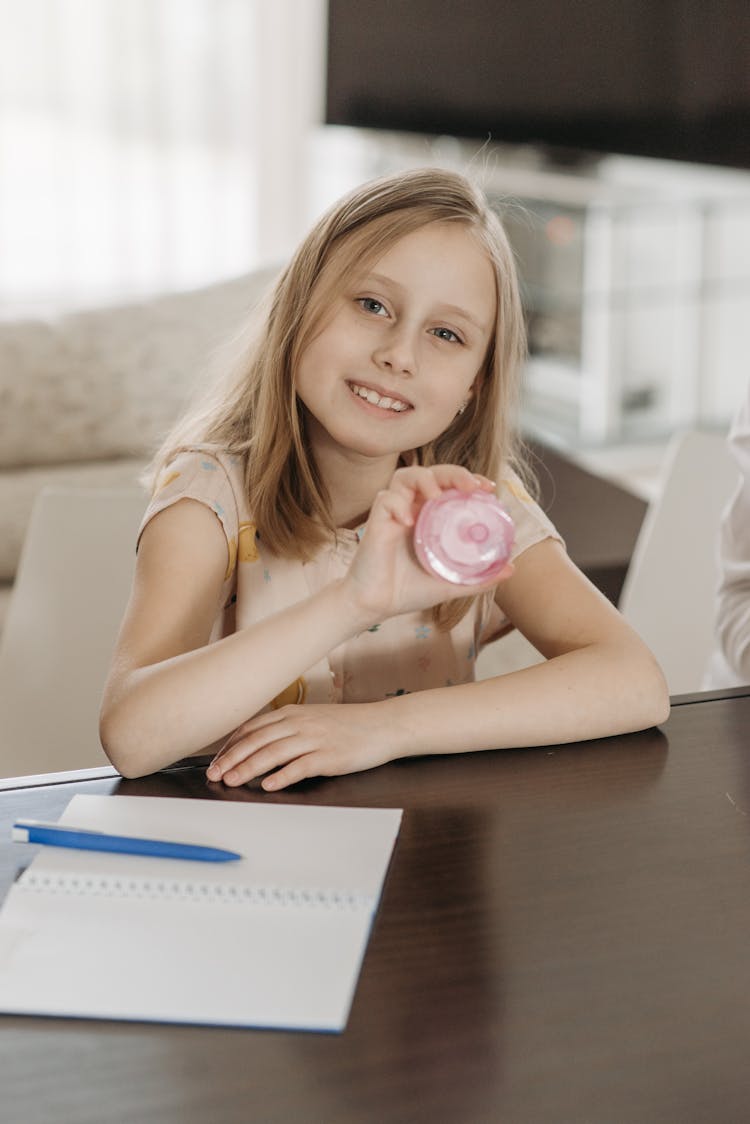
(148, 955)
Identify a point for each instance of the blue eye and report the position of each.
(446, 334)
(369, 304)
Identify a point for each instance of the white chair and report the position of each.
(70, 592)
(669, 594)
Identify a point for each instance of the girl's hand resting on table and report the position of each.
(299, 741)
(385, 578)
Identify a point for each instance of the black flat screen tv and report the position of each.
(660, 78)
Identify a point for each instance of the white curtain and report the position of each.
(151, 145)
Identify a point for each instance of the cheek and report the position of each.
(457, 383)
(310, 366)
(447, 403)
(328, 347)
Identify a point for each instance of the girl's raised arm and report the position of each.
(170, 693)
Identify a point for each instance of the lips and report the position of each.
(375, 398)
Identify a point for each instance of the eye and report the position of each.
(370, 304)
(446, 334)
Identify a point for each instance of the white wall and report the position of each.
(150, 145)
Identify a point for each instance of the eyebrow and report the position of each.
(452, 309)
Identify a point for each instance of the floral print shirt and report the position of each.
(402, 654)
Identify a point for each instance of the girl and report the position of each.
(276, 577)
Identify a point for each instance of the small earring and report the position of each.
(463, 406)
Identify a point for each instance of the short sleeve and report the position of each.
(531, 523)
(207, 477)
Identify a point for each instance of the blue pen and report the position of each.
(57, 835)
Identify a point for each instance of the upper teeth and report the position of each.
(373, 396)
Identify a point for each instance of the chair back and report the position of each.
(71, 588)
(669, 594)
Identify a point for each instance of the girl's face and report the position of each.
(403, 346)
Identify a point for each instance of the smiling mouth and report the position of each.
(396, 405)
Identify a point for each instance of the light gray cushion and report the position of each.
(110, 382)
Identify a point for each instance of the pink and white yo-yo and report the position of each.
(464, 537)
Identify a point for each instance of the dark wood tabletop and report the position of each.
(564, 936)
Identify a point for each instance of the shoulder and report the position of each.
(208, 475)
(205, 467)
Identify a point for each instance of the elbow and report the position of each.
(641, 696)
(661, 707)
(137, 743)
(133, 736)
(123, 749)
(654, 693)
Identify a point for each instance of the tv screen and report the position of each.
(662, 78)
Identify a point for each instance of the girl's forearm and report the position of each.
(182, 705)
(592, 692)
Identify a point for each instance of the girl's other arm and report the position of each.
(599, 679)
(170, 693)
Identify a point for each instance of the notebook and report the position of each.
(275, 939)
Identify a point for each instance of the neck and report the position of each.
(352, 481)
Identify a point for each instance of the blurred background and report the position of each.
(156, 146)
(151, 145)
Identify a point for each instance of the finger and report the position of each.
(298, 770)
(265, 760)
(393, 503)
(247, 747)
(416, 484)
(416, 480)
(235, 737)
(485, 482)
(456, 476)
(429, 483)
(259, 722)
(408, 491)
(220, 761)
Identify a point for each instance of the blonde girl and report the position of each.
(279, 619)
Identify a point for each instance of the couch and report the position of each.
(86, 396)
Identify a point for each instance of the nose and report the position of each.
(396, 352)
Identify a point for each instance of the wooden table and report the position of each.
(564, 936)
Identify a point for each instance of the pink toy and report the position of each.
(464, 537)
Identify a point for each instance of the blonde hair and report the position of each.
(255, 413)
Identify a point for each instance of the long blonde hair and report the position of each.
(255, 413)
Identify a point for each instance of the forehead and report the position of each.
(442, 263)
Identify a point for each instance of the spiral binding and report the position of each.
(202, 893)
